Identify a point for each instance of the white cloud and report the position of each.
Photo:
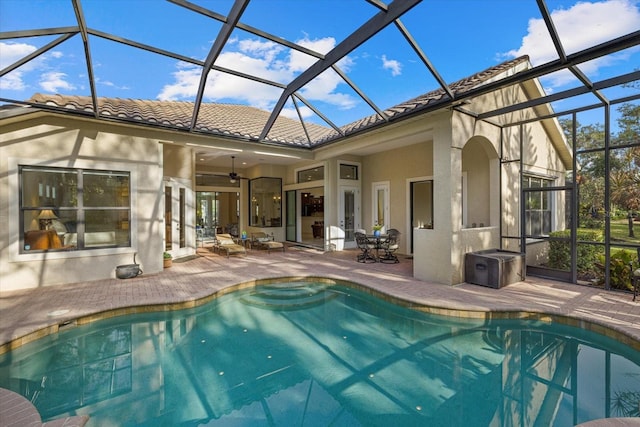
(322, 88)
(12, 52)
(110, 84)
(583, 25)
(219, 86)
(266, 50)
(393, 65)
(55, 82)
(299, 61)
(23, 78)
(185, 84)
(9, 54)
(266, 60)
(291, 112)
(12, 81)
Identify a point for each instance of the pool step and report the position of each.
(288, 296)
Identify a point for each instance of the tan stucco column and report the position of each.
(436, 251)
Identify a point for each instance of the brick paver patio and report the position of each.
(28, 314)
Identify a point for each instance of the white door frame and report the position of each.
(349, 243)
(188, 248)
(409, 228)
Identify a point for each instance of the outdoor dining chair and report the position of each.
(390, 246)
(366, 248)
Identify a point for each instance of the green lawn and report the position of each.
(620, 232)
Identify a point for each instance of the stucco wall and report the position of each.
(539, 158)
(475, 162)
(178, 161)
(63, 142)
(395, 166)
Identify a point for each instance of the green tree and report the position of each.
(624, 163)
(590, 173)
(625, 176)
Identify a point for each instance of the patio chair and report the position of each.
(635, 276)
(390, 246)
(365, 247)
(225, 243)
(261, 240)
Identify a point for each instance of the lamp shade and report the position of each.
(47, 214)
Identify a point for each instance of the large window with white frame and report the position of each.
(73, 209)
(538, 205)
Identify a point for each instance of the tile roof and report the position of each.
(238, 121)
(247, 122)
(423, 101)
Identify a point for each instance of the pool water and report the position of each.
(311, 354)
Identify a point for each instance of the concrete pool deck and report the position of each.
(29, 314)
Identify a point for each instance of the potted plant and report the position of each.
(167, 260)
(376, 229)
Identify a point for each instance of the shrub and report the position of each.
(620, 271)
(590, 218)
(560, 251)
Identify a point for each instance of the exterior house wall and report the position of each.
(444, 145)
(474, 165)
(178, 161)
(539, 157)
(434, 248)
(455, 152)
(179, 174)
(395, 166)
(439, 252)
(63, 142)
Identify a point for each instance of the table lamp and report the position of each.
(46, 218)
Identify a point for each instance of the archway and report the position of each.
(480, 184)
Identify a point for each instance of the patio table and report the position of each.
(377, 241)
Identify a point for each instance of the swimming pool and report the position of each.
(315, 354)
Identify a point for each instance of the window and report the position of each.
(266, 202)
(313, 174)
(380, 211)
(66, 209)
(348, 172)
(537, 206)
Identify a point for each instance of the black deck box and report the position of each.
(494, 268)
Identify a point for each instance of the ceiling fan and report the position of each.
(233, 176)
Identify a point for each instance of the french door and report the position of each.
(178, 218)
(349, 213)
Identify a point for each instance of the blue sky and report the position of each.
(460, 37)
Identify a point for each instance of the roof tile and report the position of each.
(248, 122)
